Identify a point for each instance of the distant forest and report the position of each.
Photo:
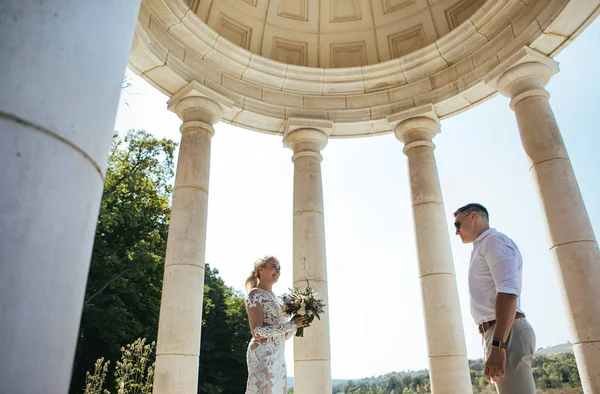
(553, 374)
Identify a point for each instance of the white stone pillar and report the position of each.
(62, 65)
(312, 355)
(448, 364)
(572, 240)
(178, 344)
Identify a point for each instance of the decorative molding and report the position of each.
(424, 117)
(209, 57)
(253, 3)
(345, 11)
(235, 32)
(302, 129)
(294, 9)
(197, 89)
(406, 41)
(193, 4)
(395, 5)
(351, 54)
(289, 51)
(461, 11)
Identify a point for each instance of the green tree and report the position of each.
(555, 371)
(392, 384)
(225, 336)
(122, 298)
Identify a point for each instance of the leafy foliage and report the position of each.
(392, 383)
(225, 337)
(132, 375)
(124, 286)
(125, 279)
(556, 371)
(94, 382)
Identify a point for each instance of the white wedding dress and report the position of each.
(266, 358)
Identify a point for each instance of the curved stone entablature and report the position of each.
(173, 46)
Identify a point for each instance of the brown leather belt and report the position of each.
(488, 324)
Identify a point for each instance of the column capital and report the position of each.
(307, 137)
(415, 127)
(526, 76)
(199, 106)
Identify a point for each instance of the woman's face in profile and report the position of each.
(270, 272)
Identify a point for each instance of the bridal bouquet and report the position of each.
(304, 303)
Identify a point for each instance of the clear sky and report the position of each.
(374, 295)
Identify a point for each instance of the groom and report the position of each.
(495, 278)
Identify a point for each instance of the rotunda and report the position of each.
(308, 71)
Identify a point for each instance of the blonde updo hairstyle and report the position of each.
(254, 277)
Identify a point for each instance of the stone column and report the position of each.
(312, 355)
(62, 68)
(570, 234)
(178, 344)
(448, 364)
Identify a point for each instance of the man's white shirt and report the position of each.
(496, 267)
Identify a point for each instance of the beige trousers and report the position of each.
(520, 346)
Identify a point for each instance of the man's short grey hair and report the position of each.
(473, 207)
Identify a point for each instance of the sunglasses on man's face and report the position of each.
(457, 223)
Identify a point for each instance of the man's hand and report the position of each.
(495, 366)
(506, 307)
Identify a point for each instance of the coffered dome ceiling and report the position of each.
(360, 64)
(333, 33)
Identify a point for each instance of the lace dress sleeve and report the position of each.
(275, 331)
(268, 312)
(290, 334)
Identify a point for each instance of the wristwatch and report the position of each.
(498, 344)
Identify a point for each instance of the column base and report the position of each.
(176, 373)
(588, 364)
(450, 375)
(312, 377)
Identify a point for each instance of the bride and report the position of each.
(270, 328)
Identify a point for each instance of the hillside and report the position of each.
(334, 382)
(550, 355)
(556, 349)
(378, 379)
